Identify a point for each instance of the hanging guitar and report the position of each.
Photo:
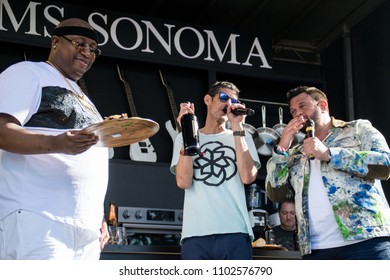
(142, 150)
(173, 132)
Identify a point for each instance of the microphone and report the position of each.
(241, 111)
(310, 132)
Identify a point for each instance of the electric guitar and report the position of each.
(173, 132)
(142, 150)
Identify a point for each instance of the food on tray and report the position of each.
(116, 117)
(258, 242)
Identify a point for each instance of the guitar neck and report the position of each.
(172, 103)
(130, 99)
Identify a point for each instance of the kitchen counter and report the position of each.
(151, 252)
(140, 252)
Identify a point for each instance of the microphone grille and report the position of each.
(309, 122)
(250, 112)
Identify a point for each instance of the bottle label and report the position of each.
(195, 128)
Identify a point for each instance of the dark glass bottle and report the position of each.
(269, 235)
(190, 131)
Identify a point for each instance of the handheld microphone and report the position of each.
(241, 111)
(310, 132)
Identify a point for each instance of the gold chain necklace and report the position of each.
(79, 95)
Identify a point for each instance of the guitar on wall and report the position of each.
(173, 132)
(142, 150)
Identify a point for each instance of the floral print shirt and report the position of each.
(360, 158)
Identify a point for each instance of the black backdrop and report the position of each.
(371, 57)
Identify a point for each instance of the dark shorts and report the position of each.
(232, 246)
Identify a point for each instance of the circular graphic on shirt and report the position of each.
(216, 164)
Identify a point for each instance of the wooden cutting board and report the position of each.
(122, 132)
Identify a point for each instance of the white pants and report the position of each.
(28, 236)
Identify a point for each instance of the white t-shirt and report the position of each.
(65, 188)
(323, 227)
(215, 202)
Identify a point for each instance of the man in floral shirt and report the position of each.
(341, 210)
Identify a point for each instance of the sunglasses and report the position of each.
(224, 97)
(83, 46)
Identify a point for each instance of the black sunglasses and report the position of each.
(224, 97)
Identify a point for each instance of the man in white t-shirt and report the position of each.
(52, 179)
(340, 206)
(215, 218)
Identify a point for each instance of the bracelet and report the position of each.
(280, 148)
(280, 151)
(239, 133)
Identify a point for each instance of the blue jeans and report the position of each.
(372, 249)
(233, 246)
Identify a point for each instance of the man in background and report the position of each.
(285, 233)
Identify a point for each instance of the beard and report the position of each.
(315, 117)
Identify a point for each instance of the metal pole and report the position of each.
(264, 102)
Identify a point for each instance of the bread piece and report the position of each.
(258, 242)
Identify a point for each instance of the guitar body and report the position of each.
(172, 132)
(143, 151)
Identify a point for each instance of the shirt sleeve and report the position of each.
(20, 91)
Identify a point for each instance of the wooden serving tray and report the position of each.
(122, 132)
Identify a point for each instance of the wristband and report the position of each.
(280, 151)
(239, 133)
